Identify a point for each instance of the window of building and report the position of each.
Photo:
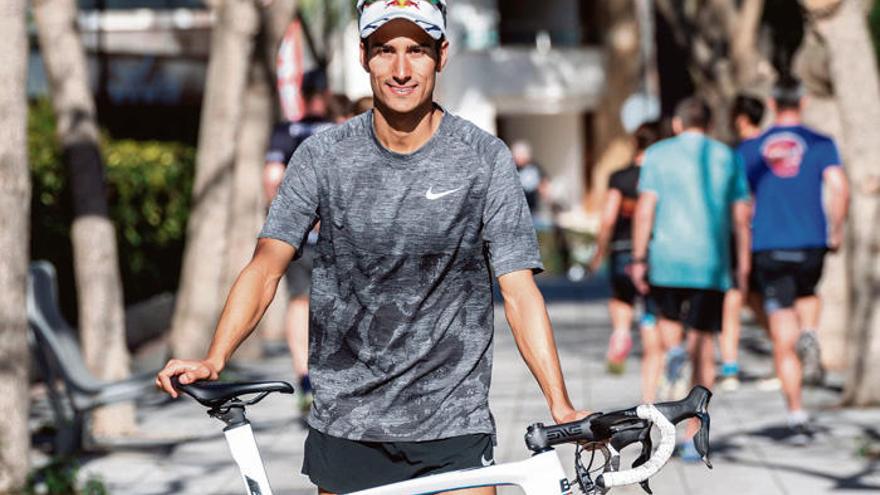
(567, 23)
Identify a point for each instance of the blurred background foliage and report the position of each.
(148, 187)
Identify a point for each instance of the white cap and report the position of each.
(429, 15)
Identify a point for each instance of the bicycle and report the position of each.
(541, 474)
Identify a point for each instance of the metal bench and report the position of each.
(58, 358)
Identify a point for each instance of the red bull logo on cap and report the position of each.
(402, 3)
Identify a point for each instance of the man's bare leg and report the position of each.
(808, 310)
(702, 345)
(297, 333)
(784, 330)
(618, 345)
(652, 362)
(729, 341)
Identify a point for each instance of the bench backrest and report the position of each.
(52, 332)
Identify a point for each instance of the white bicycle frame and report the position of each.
(541, 474)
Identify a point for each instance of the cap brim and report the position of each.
(433, 30)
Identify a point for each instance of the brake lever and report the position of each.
(641, 435)
(701, 439)
(695, 405)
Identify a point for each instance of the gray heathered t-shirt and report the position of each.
(401, 325)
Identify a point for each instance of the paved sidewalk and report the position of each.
(748, 448)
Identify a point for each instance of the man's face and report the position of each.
(403, 64)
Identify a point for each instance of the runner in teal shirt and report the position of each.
(697, 180)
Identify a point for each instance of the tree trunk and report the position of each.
(249, 205)
(722, 61)
(822, 113)
(613, 148)
(853, 70)
(96, 266)
(14, 214)
(246, 216)
(202, 287)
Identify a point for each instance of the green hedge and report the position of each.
(148, 187)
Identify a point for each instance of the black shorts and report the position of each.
(783, 276)
(299, 274)
(700, 309)
(622, 287)
(343, 466)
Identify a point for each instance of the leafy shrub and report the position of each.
(59, 477)
(148, 191)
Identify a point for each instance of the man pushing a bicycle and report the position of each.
(419, 209)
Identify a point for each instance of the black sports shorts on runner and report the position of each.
(700, 309)
(784, 276)
(622, 287)
(343, 466)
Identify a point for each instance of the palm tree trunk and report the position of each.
(203, 276)
(96, 265)
(15, 192)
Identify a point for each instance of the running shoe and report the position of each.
(675, 381)
(801, 434)
(688, 453)
(619, 346)
(808, 352)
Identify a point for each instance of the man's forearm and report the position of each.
(248, 299)
(527, 316)
(838, 202)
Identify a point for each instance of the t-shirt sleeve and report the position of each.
(649, 179)
(280, 145)
(294, 210)
(508, 231)
(614, 181)
(829, 155)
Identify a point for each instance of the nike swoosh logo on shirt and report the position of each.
(432, 195)
(486, 462)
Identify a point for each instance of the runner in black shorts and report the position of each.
(746, 116)
(789, 167)
(692, 195)
(615, 235)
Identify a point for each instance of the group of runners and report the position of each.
(695, 228)
(420, 214)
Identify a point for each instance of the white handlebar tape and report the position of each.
(656, 461)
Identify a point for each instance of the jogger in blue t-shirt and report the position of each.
(787, 167)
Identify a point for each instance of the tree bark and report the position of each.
(15, 192)
(96, 266)
(722, 61)
(853, 69)
(249, 205)
(202, 285)
(246, 216)
(613, 148)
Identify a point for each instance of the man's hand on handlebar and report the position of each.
(569, 415)
(188, 371)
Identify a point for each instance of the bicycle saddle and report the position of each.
(216, 394)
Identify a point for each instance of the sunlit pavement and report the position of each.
(749, 451)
